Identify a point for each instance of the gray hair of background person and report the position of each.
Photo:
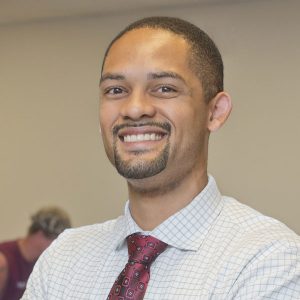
(50, 220)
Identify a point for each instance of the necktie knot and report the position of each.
(132, 282)
(144, 249)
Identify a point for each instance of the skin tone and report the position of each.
(147, 81)
(31, 248)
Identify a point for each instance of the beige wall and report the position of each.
(50, 146)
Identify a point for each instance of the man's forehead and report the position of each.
(146, 43)
(149, 54)
(146, 35)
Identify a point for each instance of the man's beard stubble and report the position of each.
(141, 168)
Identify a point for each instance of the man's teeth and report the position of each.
(142, 137)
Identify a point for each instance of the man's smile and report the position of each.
(142, 137)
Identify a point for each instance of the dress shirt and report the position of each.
(217, 249)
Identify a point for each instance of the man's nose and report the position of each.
(137, 106)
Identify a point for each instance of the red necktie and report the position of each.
(132, 282)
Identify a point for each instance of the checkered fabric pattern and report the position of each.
(218, 249)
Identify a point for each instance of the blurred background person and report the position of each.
(17, 257)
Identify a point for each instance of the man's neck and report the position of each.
(151, 208)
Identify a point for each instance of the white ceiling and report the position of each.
(15, 11)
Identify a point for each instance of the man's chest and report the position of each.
(172, 276)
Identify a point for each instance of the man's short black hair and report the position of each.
(205, 60)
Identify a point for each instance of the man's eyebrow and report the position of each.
(111, 76)
(165, 74)
(152, 75)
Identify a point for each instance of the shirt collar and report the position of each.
(125, 226)
(187, 228)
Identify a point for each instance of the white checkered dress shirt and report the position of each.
(218, 249)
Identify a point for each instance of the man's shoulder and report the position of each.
(84, 248)
(256, 228)
(259, 250)
(86, 238)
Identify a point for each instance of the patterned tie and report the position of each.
(132, 282)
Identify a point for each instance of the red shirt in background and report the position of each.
(18, 270)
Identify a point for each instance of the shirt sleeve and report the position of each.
(271, 275)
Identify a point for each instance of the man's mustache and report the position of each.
(165, 126)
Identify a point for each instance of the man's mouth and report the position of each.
(142, 137)
(137, 133)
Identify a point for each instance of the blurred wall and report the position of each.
(50, 149)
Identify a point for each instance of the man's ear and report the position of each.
(219, 110)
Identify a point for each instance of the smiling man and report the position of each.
(161, 95)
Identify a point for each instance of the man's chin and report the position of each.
(141, 165)
(138, 172)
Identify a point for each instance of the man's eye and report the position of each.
(166, 89)
(114, 91)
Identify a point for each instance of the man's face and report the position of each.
(152, 113)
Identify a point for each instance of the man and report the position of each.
(18, 257)
(161, 95)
